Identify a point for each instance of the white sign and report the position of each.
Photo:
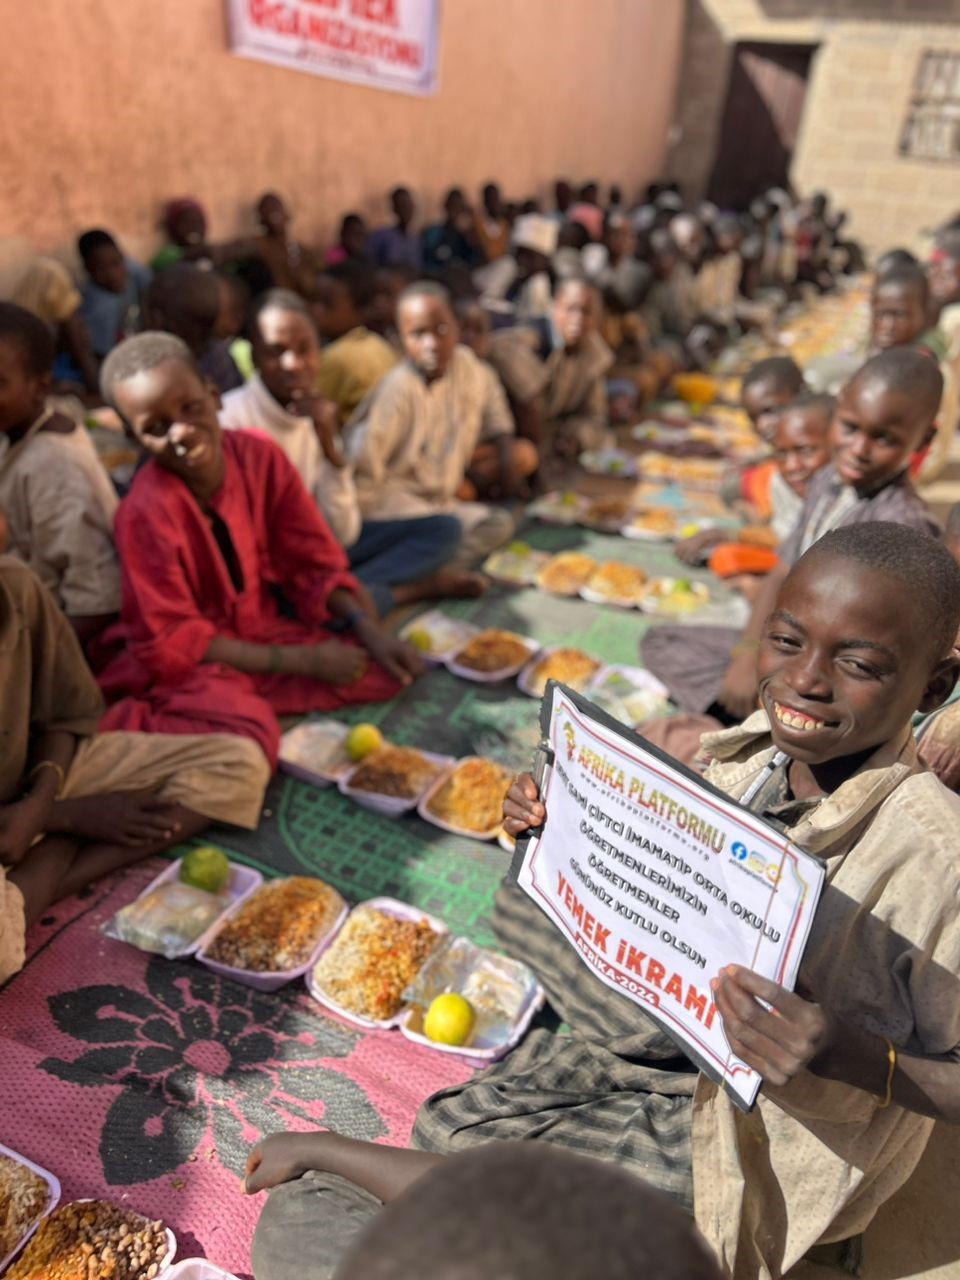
(659, 881)
(384, 44)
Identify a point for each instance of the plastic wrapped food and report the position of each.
(169, 918)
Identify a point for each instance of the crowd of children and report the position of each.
(322, 437)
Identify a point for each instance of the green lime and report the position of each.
(206, 868)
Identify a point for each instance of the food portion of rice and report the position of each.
(23, 1198)
(373, 958)
(93, 1240)
(472, 797)
(278, 927)
(401, 772)
(493, 650)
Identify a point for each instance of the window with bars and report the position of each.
(931, 130)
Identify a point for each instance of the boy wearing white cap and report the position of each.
(520, 282)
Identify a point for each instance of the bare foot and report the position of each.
(444, 584)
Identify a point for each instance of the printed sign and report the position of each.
(384, 44)
(658, 880)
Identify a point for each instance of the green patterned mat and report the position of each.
(319, 831)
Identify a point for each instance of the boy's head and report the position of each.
(492, 200)
(529, 1211)
(401, 202)
(893, 260)
(861, 637)
(618, 236)
(27, 352)
(534, 241)
(885, 413)
(474, 325)
(562, 195)
(800, 439)
(688, 236)
(185, 222)
(153, 382)
(184, 300)
(353, 235)
(951, 532)
(576, 312)
(590, 193)
(272, 214)
(945, 270)
(344, 297)
(286, 351)
(102, 260)
(234, 303)
(428, 328)
(899, 307)
(727, 233)
(767, 387)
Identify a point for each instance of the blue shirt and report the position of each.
(112, 316)
(392, 247)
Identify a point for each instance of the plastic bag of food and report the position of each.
(169, 918)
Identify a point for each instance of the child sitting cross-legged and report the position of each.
(863, 1057)
(76, 804)
(215, 529)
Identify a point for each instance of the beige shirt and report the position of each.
(411, 441)
(571, 384)
(60, 505)
(816, 1158)
(252, 407)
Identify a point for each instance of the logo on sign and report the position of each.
(756, 862)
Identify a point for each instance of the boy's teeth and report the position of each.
(794, 720)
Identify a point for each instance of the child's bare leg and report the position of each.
(40, 875)
(442, 585)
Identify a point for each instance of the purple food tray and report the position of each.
(427, 816)
(269, 980)
(502, 673)
(391, 806)
(52, 1200)
(391, 907)
(242, 882)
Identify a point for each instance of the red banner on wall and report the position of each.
(384, 44)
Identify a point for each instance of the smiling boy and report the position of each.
(864, 1056)
(214, 528)
(884, 415)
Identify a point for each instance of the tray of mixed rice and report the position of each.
(276, 934)
(27, 1194)
(96, 1240)
(491, 656)
(392, 779)
(469, 800)
(363, 970)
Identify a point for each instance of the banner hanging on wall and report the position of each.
(384, 44)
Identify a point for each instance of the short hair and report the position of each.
(819, 400)
(32, 338)
(779, 371)
(425, 289)
(184, 289)
(351, 220)
(909, 372)
(919, 562)
(908, 275)
(358, 278)
(529, 1211)
(567, 282)
(140, 354)
(92, 240)
(894, 258)
(276, 300)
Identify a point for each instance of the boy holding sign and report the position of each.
(862, 1059)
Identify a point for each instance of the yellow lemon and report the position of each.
(205, 868)
(449, 1020)
(421, 639)
(362, 740)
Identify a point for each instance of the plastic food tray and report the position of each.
(530, 565)
(391, 806)
(198, 1269)
(452, 632)
(524, 680)
(641, 681)
(654, 605)
(171, 1253)
(424, 810)
(531, 1005)
(391, 907)
(502, 673)
(243, 881)
(52, 1200)
(269, 980)
(569, 593)
(551, 510)
(618, 602)
(332, 731)
(609, 462)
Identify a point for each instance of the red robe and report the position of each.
(178, 595)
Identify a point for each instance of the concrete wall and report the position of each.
(859, 90)
(111, 106)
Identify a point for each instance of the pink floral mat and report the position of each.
(146, 1081)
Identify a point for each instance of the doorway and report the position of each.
(761, 120)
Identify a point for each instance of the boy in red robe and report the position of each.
(215, 530)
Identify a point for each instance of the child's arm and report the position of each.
(798, 1034)
(386, 1172)
(28, 817)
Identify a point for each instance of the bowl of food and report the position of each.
(27, 1194)
(436, 635)
(95, 1240)
(652, 524)
(491, 656)
(566, 573)
(615, 583)
(571, 667)
(606, 515)
(364, 969)
(516, 565)
(391, 781)
(173, 918)
(674, 597)
(315, 751)
(562, 507)
(274, 935)
(469, 800)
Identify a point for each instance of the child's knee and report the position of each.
(526, 459)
